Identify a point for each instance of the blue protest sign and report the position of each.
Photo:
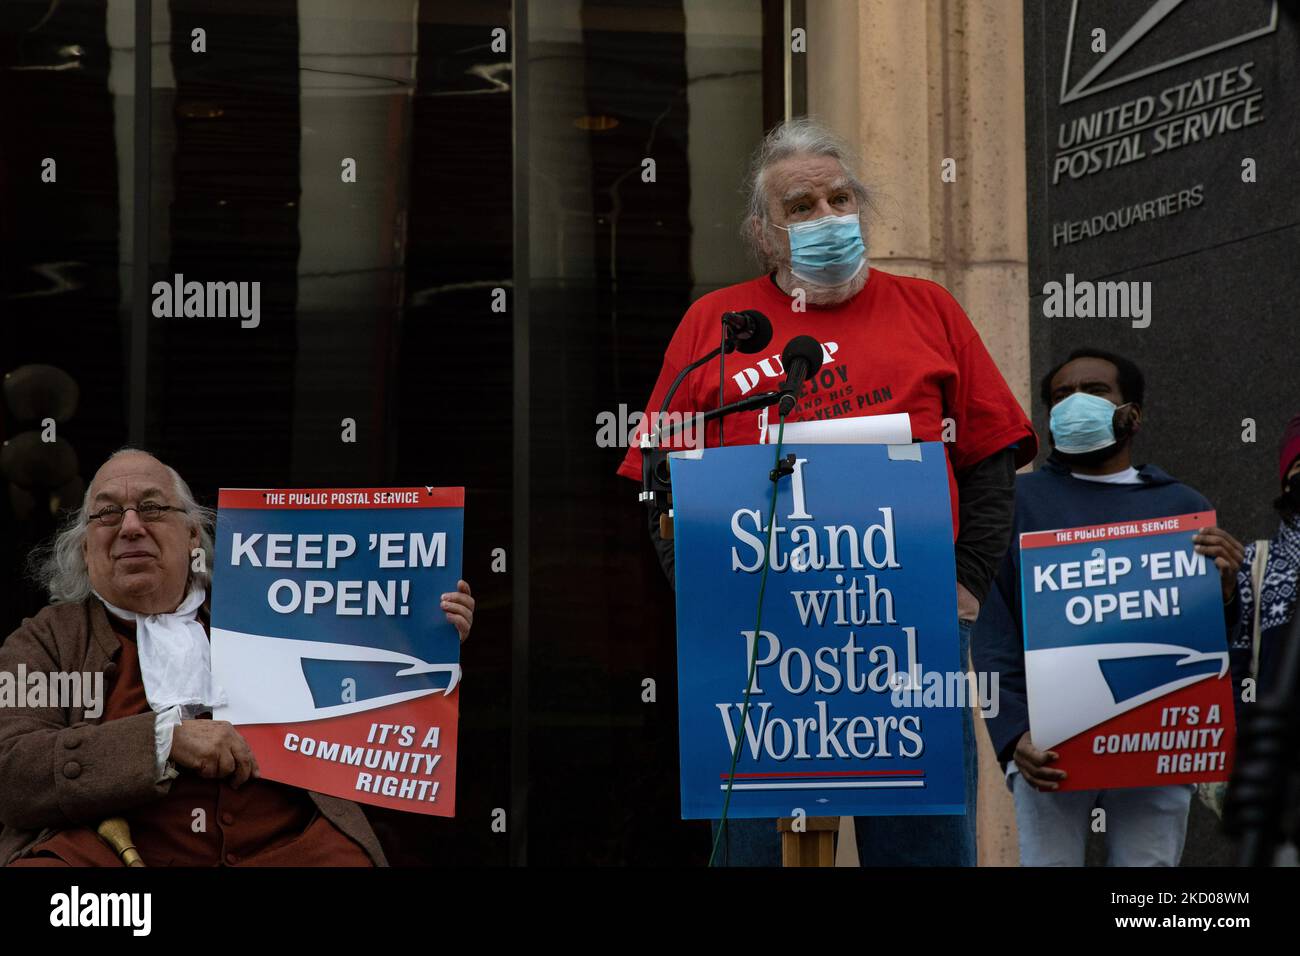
(852, 709)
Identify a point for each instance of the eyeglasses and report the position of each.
(111, 516)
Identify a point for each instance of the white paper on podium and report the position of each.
(864, 430)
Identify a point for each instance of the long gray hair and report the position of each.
(802, 136)
(59, 566)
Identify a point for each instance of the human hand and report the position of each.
(1033, 764)
(215, 749)
(1225, 551)
(459, 606)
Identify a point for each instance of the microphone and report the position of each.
(748, 331)
(801, 360)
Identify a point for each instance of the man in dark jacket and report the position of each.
(1096, 400)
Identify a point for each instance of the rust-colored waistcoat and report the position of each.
(204, 822)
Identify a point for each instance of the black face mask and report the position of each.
(1292, 493)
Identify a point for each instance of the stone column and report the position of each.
(910, 84)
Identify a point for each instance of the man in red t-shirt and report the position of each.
(889, 344)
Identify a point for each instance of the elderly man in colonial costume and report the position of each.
(128, 606)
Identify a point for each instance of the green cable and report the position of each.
(753, 655)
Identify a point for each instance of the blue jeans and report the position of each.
(882, 841)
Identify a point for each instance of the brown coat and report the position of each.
(60, 769)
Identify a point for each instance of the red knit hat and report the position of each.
(1289, 450)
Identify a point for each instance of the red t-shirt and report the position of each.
(899, 345)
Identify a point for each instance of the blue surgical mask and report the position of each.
(827, 251)
(1082, 423)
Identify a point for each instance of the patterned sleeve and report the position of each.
(1240, 631)
(1242, 638)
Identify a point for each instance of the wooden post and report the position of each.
(815, 846)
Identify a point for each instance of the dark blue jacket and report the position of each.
(1048, 498)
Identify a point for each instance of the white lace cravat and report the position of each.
(175, 660)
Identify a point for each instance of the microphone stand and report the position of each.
(653, 455)
(672, 389)
(652, 459)
(761, 400)
(722, 375)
